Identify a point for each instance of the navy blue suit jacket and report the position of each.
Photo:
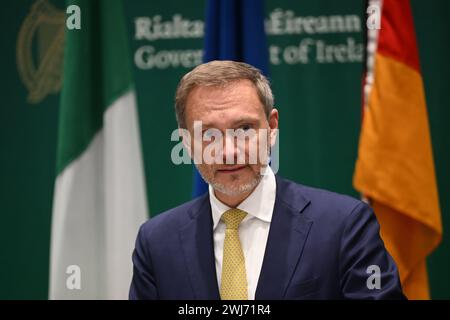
(320, 246)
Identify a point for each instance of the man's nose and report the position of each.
(230, 150)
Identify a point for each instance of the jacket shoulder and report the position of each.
(320, 202)
(172, 219)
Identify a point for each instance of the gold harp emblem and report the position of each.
(40, 50)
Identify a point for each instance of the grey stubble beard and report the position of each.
(233, 191)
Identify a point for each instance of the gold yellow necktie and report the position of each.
(234, 277)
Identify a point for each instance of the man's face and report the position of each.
(234, 106)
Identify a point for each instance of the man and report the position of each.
(254, 235)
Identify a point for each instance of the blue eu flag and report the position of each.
(234, 30)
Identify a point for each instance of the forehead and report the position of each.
(239, 98)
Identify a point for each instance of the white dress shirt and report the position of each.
(253, 230)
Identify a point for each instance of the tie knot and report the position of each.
(233, 217)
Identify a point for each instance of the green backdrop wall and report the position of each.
(316, 78)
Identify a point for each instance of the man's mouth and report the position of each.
(232, 169)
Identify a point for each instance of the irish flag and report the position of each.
(395, 168)
(99, 195)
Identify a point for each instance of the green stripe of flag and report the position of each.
(90, 86)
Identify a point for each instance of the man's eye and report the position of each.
(246, 127)
(210, 133)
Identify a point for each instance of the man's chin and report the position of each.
(235, 188)
(227, 190)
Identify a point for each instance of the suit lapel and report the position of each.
(288, 233)
(197, 243)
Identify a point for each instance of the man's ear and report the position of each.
(273, 125)
(273, 119)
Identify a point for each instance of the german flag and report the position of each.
(395, 168)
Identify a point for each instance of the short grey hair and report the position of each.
(221, 73)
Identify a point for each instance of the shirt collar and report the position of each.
(258, 204)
